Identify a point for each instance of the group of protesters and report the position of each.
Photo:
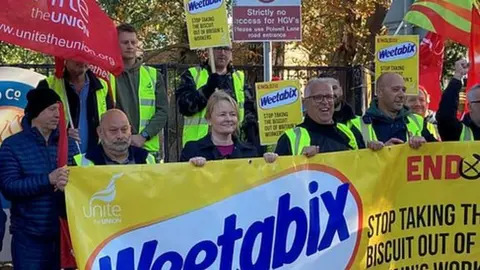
(122, 127)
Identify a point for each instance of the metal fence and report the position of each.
(356, 82)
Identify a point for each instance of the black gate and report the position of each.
(356, 82)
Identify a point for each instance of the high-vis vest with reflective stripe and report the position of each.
(433, 130)
(467, 134)
(300, 138)
(196, 126)
(82, 161)
(146, 100)
(414, 126)
(58, 85)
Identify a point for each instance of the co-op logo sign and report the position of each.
(317, 221)
(398, 52)
(279, 98)
(100, 207)
(200, 6)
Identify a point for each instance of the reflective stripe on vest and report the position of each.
(146, 100)
(467, 134)
(58, 85)
(195, 127)
(414, 126)
(433, 130)
(300, 138)
(368, 134)
(82, 161)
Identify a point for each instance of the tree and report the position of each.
(342, 32)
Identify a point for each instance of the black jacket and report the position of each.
(328, 137)
(387, 128)
(191, 101)
(97, 155)
(74, 104)
(344, 115)
(449, 127)
(205, 148)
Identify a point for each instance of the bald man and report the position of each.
(388, 119)
(115, 146)
(319, 133)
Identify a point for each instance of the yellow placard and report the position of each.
(279, 107)
(207, 23)
(399, 54)
(397, 208)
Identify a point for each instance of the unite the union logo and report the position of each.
(100, 207)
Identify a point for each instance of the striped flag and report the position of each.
(448, 18)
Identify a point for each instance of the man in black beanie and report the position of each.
(30, 179)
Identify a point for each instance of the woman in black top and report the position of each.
(221, 142)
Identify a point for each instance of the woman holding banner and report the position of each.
(221, 142)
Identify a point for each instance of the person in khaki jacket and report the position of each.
(140, 93)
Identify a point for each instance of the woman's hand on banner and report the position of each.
(270, 157)
(198, 161)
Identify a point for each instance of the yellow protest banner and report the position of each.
(397, 208)
(207, 23)
(399, 54)
(279, 107)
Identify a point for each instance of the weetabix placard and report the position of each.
(398, 54)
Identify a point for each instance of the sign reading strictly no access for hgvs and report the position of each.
(279, 108)
(267, 20)
(398, 54)
(207, 23)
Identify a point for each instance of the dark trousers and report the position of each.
(34, 253)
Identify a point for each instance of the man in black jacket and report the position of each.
(449, 127)
(319, 133)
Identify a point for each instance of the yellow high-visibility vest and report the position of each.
(195, 127)
(300, 138)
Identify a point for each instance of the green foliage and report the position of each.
(453, 52)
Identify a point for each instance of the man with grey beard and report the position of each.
(115, 146)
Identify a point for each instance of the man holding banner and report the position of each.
(319, 133)
(199, 83)
(29, 178)
(86, 99)
(388, 119)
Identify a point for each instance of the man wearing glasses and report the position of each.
(199, 83)
(319, 133)
(449, 127)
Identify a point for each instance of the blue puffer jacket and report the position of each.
(25, 163)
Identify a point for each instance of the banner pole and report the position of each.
(211, 58)
(398, 28)
(267, 61)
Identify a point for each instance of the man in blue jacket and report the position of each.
(30, 179)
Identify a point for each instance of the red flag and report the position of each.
(66, 248)
(431, 61)
(62, 150)
(474, 52)
(77, 30)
